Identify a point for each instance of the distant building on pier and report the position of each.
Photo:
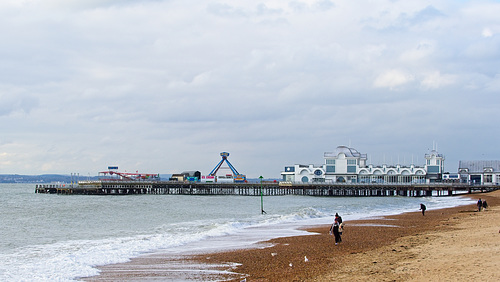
(479, 172)
(347, 165)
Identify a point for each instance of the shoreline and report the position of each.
(379, 245)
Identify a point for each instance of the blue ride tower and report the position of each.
(237, 177)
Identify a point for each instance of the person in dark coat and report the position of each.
(335, 231)
(485, 205)
(479, 204)
(423, 208)
(338, 218)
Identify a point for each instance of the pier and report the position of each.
(121, 187)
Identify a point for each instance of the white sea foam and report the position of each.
(78, 233)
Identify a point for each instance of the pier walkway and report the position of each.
(265, 189)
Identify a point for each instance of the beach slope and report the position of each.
(454, 244)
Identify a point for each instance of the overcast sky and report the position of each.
(164, 86)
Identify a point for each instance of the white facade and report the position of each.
(347, 165)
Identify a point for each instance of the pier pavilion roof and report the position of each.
(479, 166)
(348, 152)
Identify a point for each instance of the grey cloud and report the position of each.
(225, 10)
(427, 14)
(91, 4)
(324, 5)
(262, 9)
(301, 6)
(167, 85)
(14, 100)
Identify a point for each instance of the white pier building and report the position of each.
(347, 165)
(479, 172)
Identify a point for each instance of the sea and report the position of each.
(49, 237)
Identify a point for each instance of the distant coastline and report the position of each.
(44, 178)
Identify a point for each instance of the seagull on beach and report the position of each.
(290, 264)
(306, 259)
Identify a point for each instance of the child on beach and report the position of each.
(479, 205)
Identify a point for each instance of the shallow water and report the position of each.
(62, 237)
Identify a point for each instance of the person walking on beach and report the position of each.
(336, 232)
(338, 218)
(423, 208)
(485, 205)
(479, 205)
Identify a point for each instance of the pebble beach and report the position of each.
(453, 244)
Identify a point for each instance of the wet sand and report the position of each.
(455, 244)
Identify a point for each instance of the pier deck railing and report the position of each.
(266, 189)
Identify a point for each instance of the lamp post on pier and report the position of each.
(261, 197)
